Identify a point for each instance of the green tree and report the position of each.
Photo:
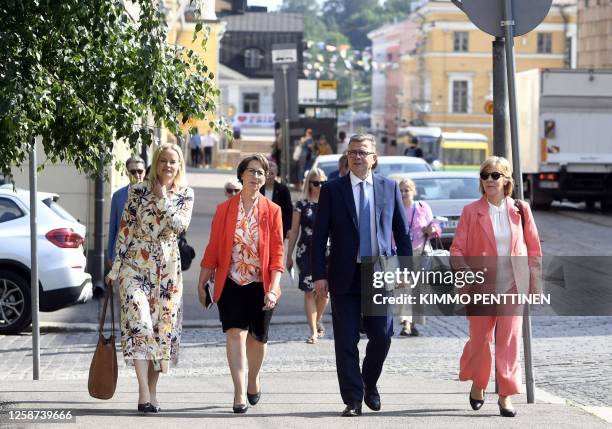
(84, 74)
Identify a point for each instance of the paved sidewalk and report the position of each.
(289, 400)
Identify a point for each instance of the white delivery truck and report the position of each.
(565, 132)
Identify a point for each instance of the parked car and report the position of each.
(386, 164)
(61, 261)
(446, 193)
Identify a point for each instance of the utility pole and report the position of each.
(499, 98)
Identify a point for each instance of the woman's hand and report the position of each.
(289, 263)
(160, 190)
(108, 281)
(269, 301)
(429, 230)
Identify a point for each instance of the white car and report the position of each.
(446, 193)
(387, 165)
(61, 261)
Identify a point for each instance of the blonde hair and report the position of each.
(502, 165)
(409, 183)
(315, 172)
(180, 179)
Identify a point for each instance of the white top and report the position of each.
(342, 146)
(209, 140)
(369, 191)
(503, 242)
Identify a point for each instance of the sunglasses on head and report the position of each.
(232, 191)
(495, 175)
(136, 171)
(317, 183)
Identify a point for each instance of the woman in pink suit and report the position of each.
(488, 227)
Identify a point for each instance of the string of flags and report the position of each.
(331, 59)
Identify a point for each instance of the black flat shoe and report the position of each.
(253, 398)
(146, 408)
(414, 332)
(352, 410)
(371, 398)
(240, 408)
(506, 412)
(476, 404)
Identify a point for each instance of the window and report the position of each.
(250, 102)
(544, 43)
(9, 210)
(460, 96)
(460, 41)
(252, 58)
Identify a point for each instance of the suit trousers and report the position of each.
(346, 319)
(477, 359)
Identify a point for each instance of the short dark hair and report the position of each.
(134, 158)
(261, 158)
(342, 135)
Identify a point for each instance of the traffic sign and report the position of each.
(328, 90)
(488, 15)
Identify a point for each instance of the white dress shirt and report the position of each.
(503, 242)
(369, 191)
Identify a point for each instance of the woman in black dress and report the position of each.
(301, 227)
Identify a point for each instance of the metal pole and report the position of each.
(285, 130)
(500, 99)
(34, 263)
(351, 111)
(98, 257)
(508, 25)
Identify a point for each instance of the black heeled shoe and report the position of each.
(253, 398)
(506, 412)
(147, 408)
(476, 404)
(240, 408)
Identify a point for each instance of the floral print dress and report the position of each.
(308, 212)
(148, 268)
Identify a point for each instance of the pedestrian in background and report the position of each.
(343, 142)
(422, 228)
(195, 146)
(135, 167)
(231, 188)
(301, 233)
(305, 155)
(362, 214)
(279, 194)
(245, 254)
(342, 168)
(209, 141)
(147, 268)
(323, 147)
(492, 226)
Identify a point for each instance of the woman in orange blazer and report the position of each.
(489, 227)
(245, 253)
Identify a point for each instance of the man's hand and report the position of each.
(321, 288)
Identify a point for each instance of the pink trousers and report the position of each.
(476, 360)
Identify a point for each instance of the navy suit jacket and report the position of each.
(337, 219)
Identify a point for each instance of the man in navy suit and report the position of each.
(360, 213)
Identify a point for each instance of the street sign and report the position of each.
(488, 107)
(328, 90)
(284, 56)
(488, 15)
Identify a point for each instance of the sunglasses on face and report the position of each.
(495, 175)
(318, 183)
(232, 191)
(136, 171)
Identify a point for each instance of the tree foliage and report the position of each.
(85, 73)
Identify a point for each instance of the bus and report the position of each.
(428, 137)
(463, 151)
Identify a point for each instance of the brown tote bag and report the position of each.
(103, 370)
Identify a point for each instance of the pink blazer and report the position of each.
(474, 237)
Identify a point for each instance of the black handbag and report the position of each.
(186, 252)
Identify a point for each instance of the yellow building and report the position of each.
(447, 79)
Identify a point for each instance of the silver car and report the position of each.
(446, 193)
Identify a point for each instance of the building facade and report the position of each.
(447, 78)
(594, 34)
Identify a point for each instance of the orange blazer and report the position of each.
(218, 253)
(474, 237)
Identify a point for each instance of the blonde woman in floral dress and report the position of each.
(147, 268)
(303, 221)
